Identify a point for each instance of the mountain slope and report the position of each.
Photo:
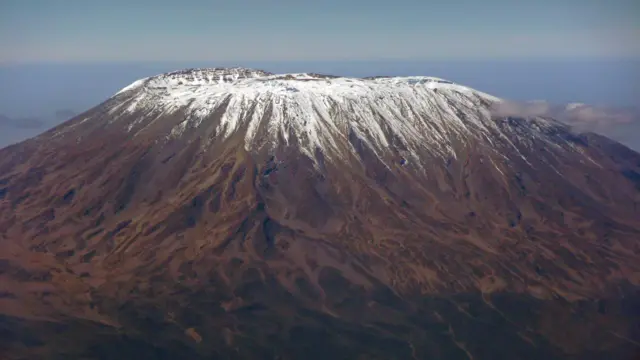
(242, 214)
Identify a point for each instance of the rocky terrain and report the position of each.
(237, 214)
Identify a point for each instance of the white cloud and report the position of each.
(582, 117)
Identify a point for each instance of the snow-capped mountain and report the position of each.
(234, 213)
(316, 112)
(407, 117)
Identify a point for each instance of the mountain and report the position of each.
(237, 214)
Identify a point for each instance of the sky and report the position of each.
(73, 54)
(295, 30)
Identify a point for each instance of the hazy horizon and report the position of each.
(28, 90)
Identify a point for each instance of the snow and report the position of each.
(423, 113)
(136, 84)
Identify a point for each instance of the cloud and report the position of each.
(64, 114)
(15, 130)
(582, 116)
(21, 123)
(588, 116)
(620, 124)
(521, 109)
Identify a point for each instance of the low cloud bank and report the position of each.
(582, 117)
(521, 109)
(21, 123)
(620, 124)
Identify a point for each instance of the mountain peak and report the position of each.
(313, 111)
(196, 77)
(205, 77)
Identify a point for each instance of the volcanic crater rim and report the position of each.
(216, 76)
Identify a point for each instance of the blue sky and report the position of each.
(263, 30)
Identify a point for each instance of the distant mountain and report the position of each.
(239, 214)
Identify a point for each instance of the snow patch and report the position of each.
(134, 85)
